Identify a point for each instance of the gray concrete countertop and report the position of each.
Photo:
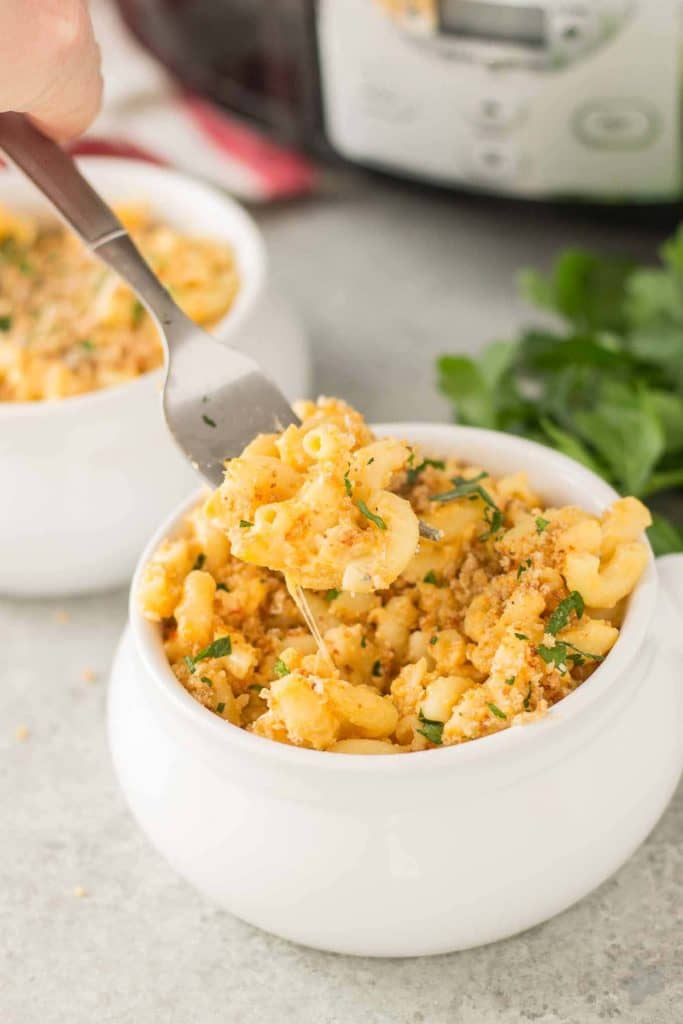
(94, 927)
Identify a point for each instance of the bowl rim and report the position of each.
(252, 281)
(506, 743)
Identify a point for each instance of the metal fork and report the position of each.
(215, 399)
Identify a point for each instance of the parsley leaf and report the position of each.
(560, 617)
(137, 313)
(414, 471)
(521, 636)
(431, 729)
(199, 561)
(430, 577)
(245, 524)
(377, 520)
(5, 323)
(523, 568)
(220, 708)
(218, 649)
(348, 486)
(280, 668)
(495, 710)
(209, 422)
(332, 595)
(563, 652)
(541, 524)
(464, 488)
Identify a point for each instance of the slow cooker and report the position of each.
(541, 99)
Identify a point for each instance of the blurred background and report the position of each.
(406, 160)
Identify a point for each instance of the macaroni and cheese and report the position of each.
(68, 325)
(428, 643)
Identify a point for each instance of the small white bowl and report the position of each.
(426, 852)
(84, 480)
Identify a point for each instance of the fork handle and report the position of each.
(56, 175)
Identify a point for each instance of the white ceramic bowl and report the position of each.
(426, 852)
(86, 479)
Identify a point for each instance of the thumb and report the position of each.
(51, 64)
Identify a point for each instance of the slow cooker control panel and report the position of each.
(526, 100)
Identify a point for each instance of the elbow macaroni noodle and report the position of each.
(314, 503)
(68, 325)
(431, 643)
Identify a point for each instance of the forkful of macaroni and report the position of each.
(315, 503)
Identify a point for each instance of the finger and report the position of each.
(51, 64)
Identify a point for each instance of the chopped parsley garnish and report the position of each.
(430, 577)
(363, 641)
(245, 524)
(209, 422)
(11, 252)
(377, 520)
(370, 461)
(523, 568)
(280, 668)
(332, 595)
(510, 680)
(431, 729)
(220, 708)
(495, 710)
(541, 524)
(256, 687)
(464, 488)
(556, 655)
(434, 639)
(494, 518)
(137, 313)
(223, 586)
(472, 489)
(205, 679)
(348, 486)
(5, 323)
(377, 668)
(414, 471)
(87, 344)
(189, 662)
(560, 617)
(527, 698)
(199, 561)
(218, 649)
(563, 652)
(521, 636)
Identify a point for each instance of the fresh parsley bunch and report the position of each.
(606, 388)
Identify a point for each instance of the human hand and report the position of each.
(50, 64)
